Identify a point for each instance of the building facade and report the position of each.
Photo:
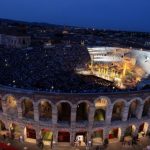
(62, 118)
(13, 41)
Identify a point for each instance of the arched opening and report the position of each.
(100, 112)
(114, 134)
(1, 109)
(15, 130)
(97, 137)
(117, 111)
(81, 138)
(30, 134)
(99, 115)
(2, 126)
(45, 111)
(3, 130)
(64, 112)
(130, 130)
(63, 136)
(27, 109)
(47, 136)
(82, 112)
(11, 106)
(133, 109)
(146, 109)
(143, 130)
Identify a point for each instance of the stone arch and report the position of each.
(134, 107)
(136, 98)
(97, 137)
(82, 110)
(11, 105)
(103, 97)
(101, 106)
(15, 130)
(64, 101)
(85, 101)
(146, 108)
(25, 97)
(143, 129)
(29, 133)
(63, 136)
(2, 126)
(147, 98)
(115, 134)
(130, 130)
(118, 108)
(27, 106)
(64, 111)
(120, 99)
(45, 110)
(82, 136)
(46, 100)
(47, 135)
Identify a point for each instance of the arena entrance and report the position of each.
(114, 135)
(82, 112)
(2, 126)
(27, 109)
(11, 106)
(130, 130)
(63, 138)
(15, 131)
(81, 138)
(3, 130)
(117, 111)
(47, 136)
(97, 137)
(30, 134)
(142, 130)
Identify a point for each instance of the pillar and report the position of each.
(36, 112)
(136, 130)
(54, 116)
(125, 113)
(4, 107)
(89, 133)
(140, 111)
(37, 130)
(73, 116)
(106, 133)
(20, 115)
(72, 136)
(23, 131)
(91, 116)
(123, 129)
(109, 114)
(55, 135)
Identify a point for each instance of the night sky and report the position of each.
(105, 14)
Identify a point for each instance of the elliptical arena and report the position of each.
(61, 118)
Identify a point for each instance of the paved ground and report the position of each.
(114, 146)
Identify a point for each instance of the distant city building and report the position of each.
(15, 41)
(73, 86)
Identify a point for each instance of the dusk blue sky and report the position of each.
(104, 14)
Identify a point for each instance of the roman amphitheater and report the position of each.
(60, 117)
